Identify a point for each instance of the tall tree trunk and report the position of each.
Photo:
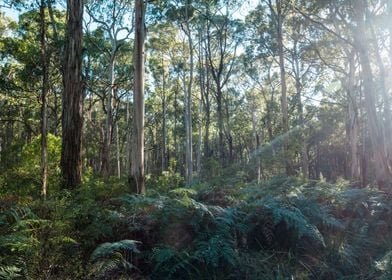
(200, 117)
(283, 98)
(353, 129)
(256, 144)
(137, 179)
(129, 138)
(199, 135)
(220, 123)
(188, 110)
(105, 161)
(304, 146)
(175, 127)
(387, 122)
(383, 169)
(45, 88)
(164, 109)
(118, 152)
(229, 136)
(206, 99)
(390, 31)
(278, 14)
(72, 120)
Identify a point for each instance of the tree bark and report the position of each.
(44, 92)
(118, 152)
(383, 169)
(353, 129)
(72, 118)
(387, 122)
(200, 116)
(188, 104)
(390, 30)
(164, 112)
(256, 144)
(220, 124)
(105, 161)
(283, 98)
(137, 179)
(206, 99)
(304, 146)
(200, 138)
(297, 69)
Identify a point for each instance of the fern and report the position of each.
(107, 249)
(171, 264)
(292, 216)
(183, 192)
(10, 272)
(112, 258)
(317, 213)
(217, 249)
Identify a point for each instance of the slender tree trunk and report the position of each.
(229, 136)
(383, 169)
(105, 163)
(390, 31)
(118, 152)
(200, 136)
(200, 117)
(137, 180)
(353, 129)
(175, 126)
(45, 89)
(283, 98)
(207, 113)
(188, 110)
(129, 137)
(387, 122)
(72, 118)
(164, 109)
(304, 148)
(220, 124)
(256, 144)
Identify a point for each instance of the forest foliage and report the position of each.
(206, 139)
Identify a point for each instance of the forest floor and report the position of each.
(283, 228)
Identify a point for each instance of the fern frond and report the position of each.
(10, 272)
(183, 192)
(293, 217)
(106, 249)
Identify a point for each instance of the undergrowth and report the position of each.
(281, 229)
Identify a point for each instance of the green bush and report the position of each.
(24, 176)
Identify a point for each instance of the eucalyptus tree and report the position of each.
(137, 176)
(222, 41)
(163, 61)
(72, 111)
(352, 24)
(277, 16)
(264, 66)
(44, 93)
(383, 167)
(183, 15)
(305, 70)
(28, 55)
(110, 17)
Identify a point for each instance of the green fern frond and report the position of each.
(293, 217)
(183, 192)
(169, 262)
(218, 248)
(10, 272)
(106, 249)
(317, 213)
